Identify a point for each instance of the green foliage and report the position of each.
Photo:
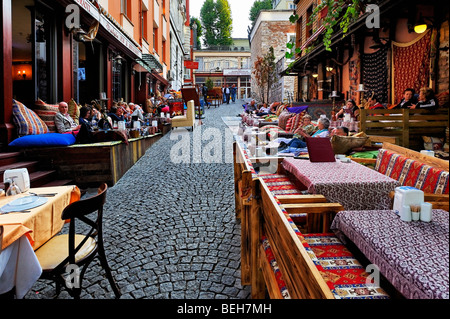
(257, 6)
(217, 22)
(209, 84)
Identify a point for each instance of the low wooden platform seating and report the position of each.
(277, 257)
(407, 125)
(411, 168)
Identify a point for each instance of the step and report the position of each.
(59, 182)
(10, 158)
(29, 165)
(37, 179)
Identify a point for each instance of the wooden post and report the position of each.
(257, 279)
(362, 120)
(405, 133)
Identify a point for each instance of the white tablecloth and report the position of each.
(19, 268)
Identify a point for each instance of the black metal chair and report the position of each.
(63, 256)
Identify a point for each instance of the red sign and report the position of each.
(191, 65)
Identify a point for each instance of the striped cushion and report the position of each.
(297, 122)
(289, 123)
(47, 113)
(26, 121)
(74, 111)
(412, 173)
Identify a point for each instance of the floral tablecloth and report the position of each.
(413, 256)
(353, 185)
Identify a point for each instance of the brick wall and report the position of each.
(270, 33)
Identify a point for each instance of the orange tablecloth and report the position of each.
(42, 223)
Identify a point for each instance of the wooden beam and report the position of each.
(296, 199)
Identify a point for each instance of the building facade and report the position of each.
(272, 28)
(373, 57)
(56, 50)
(225, 65)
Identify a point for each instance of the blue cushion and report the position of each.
(44, 140)
(297, 109)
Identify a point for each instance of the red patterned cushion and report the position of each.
(289, 123)
(412, 173)
(297, 121)
(283, 118)
(26, 121)
(344, 275)
(47, 113)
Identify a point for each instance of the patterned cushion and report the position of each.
(47, 113)
(412, 173)
(289, 123)
(26, 121)
(283, 118)
(74, 111)
(297, 121)
(344, 275)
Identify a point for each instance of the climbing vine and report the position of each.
(342, 12)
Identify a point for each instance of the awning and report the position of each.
(152, 63)
(148, 63)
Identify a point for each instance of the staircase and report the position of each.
(38, 178)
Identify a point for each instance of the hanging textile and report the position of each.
(353, 70)
(410, 65)
(375, 73)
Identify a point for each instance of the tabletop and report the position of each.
(44, 221)
(353, 185)
(413, 256)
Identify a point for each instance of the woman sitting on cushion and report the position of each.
(323, 125)
(85, 117)
(63, 121)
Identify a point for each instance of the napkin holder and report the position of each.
(407, 196)
(19, 176)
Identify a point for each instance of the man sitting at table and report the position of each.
(116, 114)
(63, 121)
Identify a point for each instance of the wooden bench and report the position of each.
(267, 229)
(407, 125)
(434, 172)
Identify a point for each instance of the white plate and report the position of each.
(23, 201)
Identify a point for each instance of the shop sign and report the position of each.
(109, 26)
(191, 65)
(236, 72)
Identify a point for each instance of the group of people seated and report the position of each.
(91, 117)
(425, 100)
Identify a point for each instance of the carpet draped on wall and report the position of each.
(375, 73)
(410, 65)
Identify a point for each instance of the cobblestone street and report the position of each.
(170, 228)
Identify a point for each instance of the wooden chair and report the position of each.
(77, 249)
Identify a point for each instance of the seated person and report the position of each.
(274, 106)
(63, 121)
(349, 108)
(340, 131)
(408, 99)
(323, 124)
(427, 100)
(263, 110)
(85, 117)
(374, 104)
(249, 108)
(306, 126)
(116, 114)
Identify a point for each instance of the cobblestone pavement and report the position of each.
(170, 227)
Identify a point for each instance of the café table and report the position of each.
(353, 185)
(352, 126)
(412, 256)
(23, 233)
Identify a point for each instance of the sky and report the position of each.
(240, 11)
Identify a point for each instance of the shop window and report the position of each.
(118, 78)
(34, 53)
(125, 8)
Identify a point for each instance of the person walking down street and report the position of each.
(233, 93)
(227, 94)
(205, 95)
(224, 99)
